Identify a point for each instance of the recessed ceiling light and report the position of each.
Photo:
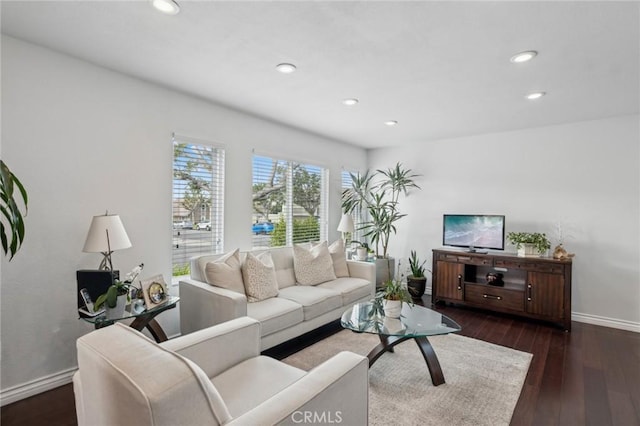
(286, 68)
(391, 123)
(535, 95)
(523, 56)
(170, 7)
(350, 101)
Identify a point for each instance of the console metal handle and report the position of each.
(529, 291)
(491, 296)
(459, 282)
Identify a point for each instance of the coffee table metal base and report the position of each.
(388, 342)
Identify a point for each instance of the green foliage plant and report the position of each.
(307, 229)
(378, 193)
(537, 239)
(417, 267)
(12, 229)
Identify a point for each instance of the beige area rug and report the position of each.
(483, 380)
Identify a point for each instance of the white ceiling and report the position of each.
(441, 69)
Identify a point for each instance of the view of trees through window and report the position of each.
(198, 183)
(288, 202)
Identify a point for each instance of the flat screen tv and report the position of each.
(473, 231)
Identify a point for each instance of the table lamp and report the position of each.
(346, 226)
(106, 234)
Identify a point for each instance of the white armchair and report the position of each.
(214, 376)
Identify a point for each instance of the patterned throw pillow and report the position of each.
(259, 277)
(226, 272)
(336, 249)
(313, 266)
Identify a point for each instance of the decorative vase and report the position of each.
(392, 308)
(361, 252)
(416, 286)
(117, 311)
(528, 250)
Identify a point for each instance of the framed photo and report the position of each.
(154, 291)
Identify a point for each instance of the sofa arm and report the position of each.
(232, 342)
(336, 391)
(364, 270)
(203, 305)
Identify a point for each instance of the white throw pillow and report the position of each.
(226, 272)
(313, 266)
(336, 249)
(259, 277)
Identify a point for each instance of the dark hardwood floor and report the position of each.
(590, 376)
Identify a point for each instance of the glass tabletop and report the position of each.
(414, 321)
(102, 319)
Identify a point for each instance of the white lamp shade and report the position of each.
(346, 223)
(97, 237)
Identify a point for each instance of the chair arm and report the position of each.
(364, 270)
(336, 391)
(203, 305)
(218, 348)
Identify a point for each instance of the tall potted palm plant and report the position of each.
(12, 225)
(377, 194)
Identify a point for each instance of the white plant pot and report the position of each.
(117, 311)
(361, 252)
(392, 308)
(528, 250)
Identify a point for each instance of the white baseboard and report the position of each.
(34, 387)
(606, 322)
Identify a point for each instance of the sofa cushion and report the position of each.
(339, 258)
(351, 289)
(259, 277)
(315, 301)
(283, 262)
(250, 383)
(226, 272)
(275, 314)
(313, 266)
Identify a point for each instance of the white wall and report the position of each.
(584, 175)
(84, 139)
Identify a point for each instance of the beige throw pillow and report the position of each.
(259, 277)
(336, 249)
(313, 266)
(226, 272)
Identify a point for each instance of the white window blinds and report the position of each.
(198, 201)
(289, 202)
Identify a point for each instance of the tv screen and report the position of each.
(473, 231)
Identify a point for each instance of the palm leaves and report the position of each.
(378, 193)
(11, 233)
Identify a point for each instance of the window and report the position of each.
(198, 201)
(357, 214)
(289, 202)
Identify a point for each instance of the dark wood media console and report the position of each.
(534, 287)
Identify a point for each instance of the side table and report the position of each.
(145, 319)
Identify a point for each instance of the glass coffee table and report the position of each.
(416, 322)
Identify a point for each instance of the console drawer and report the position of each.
(464, 258)
(494, 297)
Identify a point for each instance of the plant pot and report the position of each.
(361, 253)
(528, 250)
(117, 311)
(416, 286)
(392, 308)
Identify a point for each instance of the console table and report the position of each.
(534, 287)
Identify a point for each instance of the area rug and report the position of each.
(483, 380)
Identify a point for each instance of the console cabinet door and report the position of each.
(545, 294)
(449, 280)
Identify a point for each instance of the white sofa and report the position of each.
(296, 310)
(211, 377)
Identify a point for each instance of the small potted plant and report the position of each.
(362, 250)
(416, 281)
(529, 244)
(116, 297)
(393, 293)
